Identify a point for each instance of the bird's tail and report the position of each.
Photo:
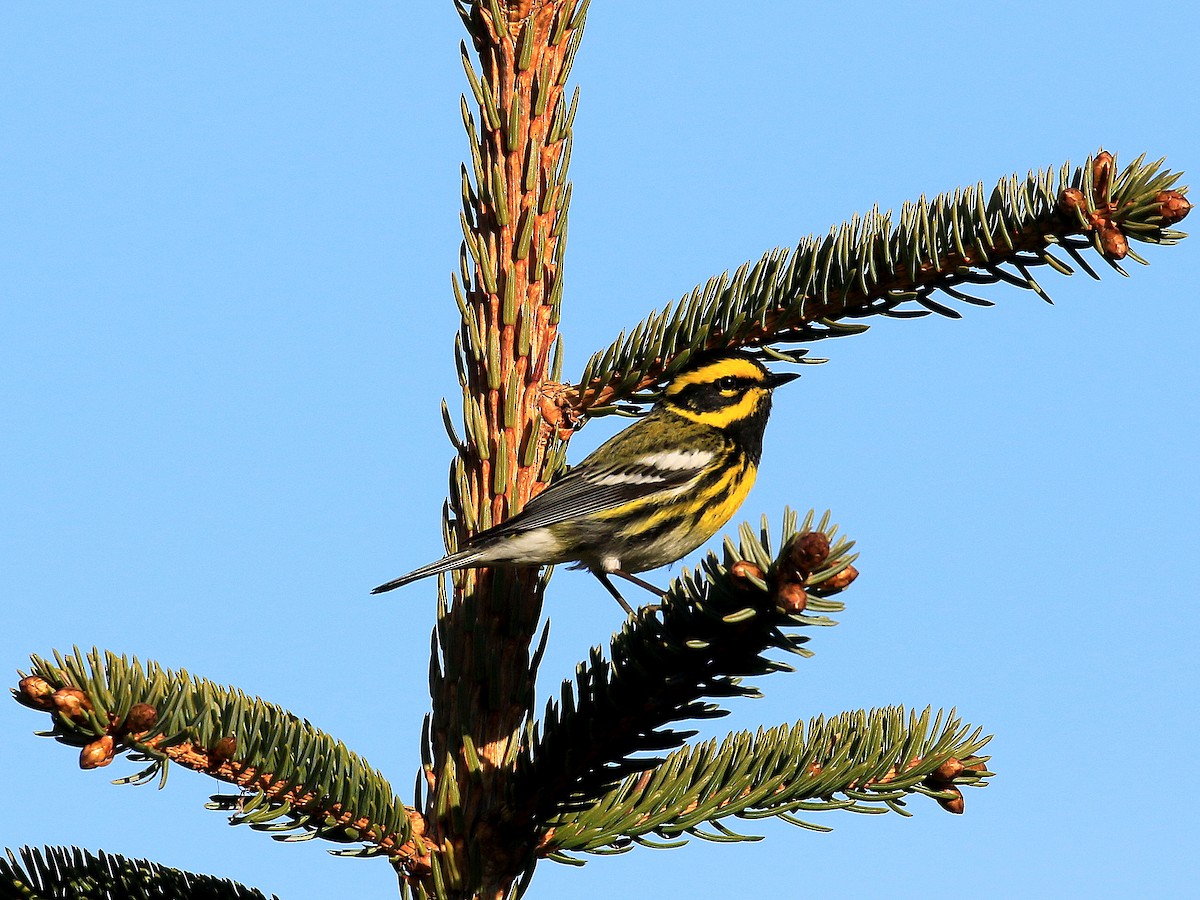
(460, 560)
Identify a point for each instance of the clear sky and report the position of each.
(226, 235)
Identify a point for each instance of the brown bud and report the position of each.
(1173, 206)
(791, 597)
(222, 751)
(35, 692)
(1114, 242)
(838, 582)
(97, 754)
(1072, 199)
(71, 703)
(808, 551)
(416, 821)
(519, 9)
(955, 804)
(1102, 169)
(948, 771)
(556, 407)
(742, 571)
(550, 411)
(142, 717)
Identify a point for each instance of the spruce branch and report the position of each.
(53, 872)
(872, 265)
(296, 782)
(712, 630)
(866, 762)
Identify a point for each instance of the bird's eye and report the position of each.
(727, 383)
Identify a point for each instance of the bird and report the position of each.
(650, 494)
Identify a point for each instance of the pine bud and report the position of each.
(97, 754)
(1071, 200)
(955, 804)
(1102, 169)
(222, 751)
(1114, 242)
(71, 703)
(838, 582)
(35, 692)
(141, 718)
(808, 551)
(519, 9)
(1173, 206)
(791, 598)
(416, 822)
(948, 771)
(742, 571)
(555, 405)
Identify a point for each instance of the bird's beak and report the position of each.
(775, 379)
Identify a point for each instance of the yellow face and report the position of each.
(718, 393)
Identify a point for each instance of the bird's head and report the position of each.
(724, 391)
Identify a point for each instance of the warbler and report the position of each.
(650, 494)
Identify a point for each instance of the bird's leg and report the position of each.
(603, 578)
(645, 585)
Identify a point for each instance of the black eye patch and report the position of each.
(714, 395)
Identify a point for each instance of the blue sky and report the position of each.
(226, 329)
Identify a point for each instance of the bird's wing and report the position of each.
(592, 489)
